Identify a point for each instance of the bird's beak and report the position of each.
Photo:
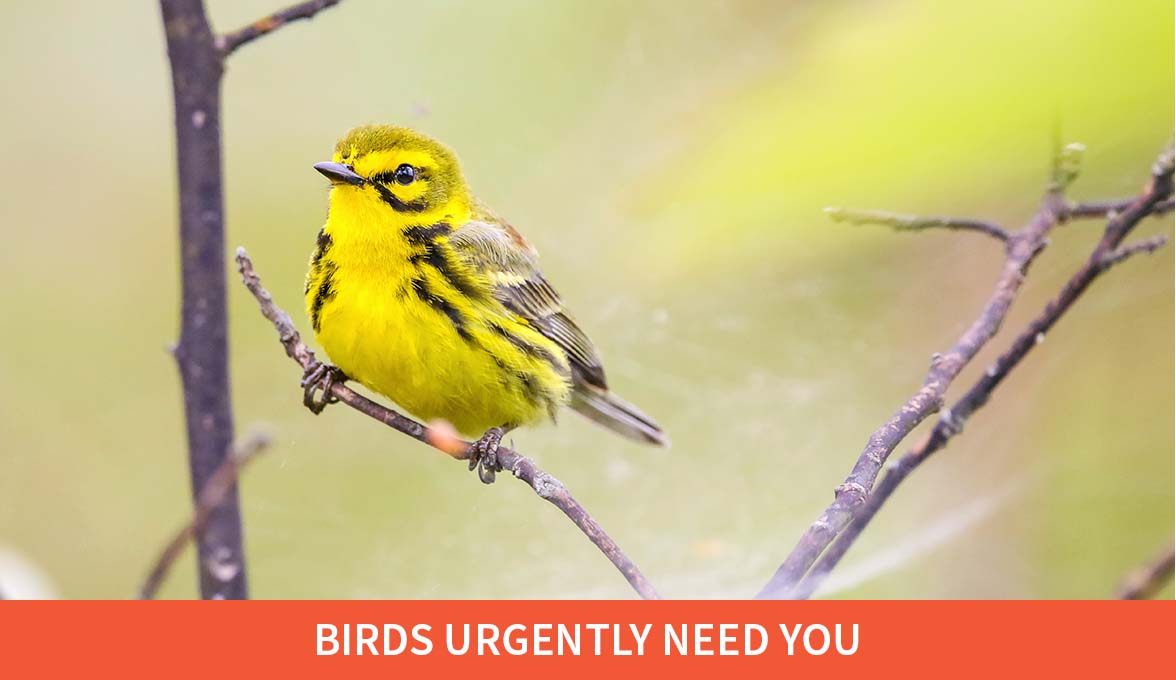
(339, 173)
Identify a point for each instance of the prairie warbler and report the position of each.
(420, 292)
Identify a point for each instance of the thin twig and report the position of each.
(1146, 246)
(1107, 209)
(229, 42)
(546, 486)
(951, 422)
(915, 222)
(211, 496)
(1021, 249)
(1147, 580)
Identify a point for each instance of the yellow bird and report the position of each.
(421, 293)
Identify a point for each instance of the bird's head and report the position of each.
(397, 168)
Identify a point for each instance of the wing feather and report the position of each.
(494, 249)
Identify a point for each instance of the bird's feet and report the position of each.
(316, 383)
(484, 454)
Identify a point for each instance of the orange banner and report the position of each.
(583, 639)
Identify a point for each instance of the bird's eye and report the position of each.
(405, 174)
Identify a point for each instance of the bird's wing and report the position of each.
(494, 249)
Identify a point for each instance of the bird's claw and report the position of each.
(484, 455)
(317, 381)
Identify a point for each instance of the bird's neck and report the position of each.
(367, 234)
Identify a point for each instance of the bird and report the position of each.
(422, 293)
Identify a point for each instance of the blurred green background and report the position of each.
(670, 160)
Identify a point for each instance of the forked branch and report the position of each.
(1106, 254)
(544, 485)
(211, 496)
(854, 504)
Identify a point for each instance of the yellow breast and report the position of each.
(406, 318)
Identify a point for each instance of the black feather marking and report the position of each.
(326, 291)
(442, 305)
(530, 349)
(386, 195)
(426, 235)
(322, 244)
(530, 389)
(440, 257)
(561, 330)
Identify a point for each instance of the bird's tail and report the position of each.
(607, 409)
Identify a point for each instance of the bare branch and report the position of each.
(228, 43)
(952, 420)
(1146, 246)
(1020, 251)
(1108, 209)
(544, 485)
(202, 352)
(197, 59)
(211, 496)
(850, 502)
(1147, 580)
(916, 223)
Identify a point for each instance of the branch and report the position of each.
(202, 352)
(916, 223)
(228, 43)
(1020, 250)
(1108, 209)
(215, 490)
(1146, 246)
(547, 487)
(951, 422)
(1147, 580)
